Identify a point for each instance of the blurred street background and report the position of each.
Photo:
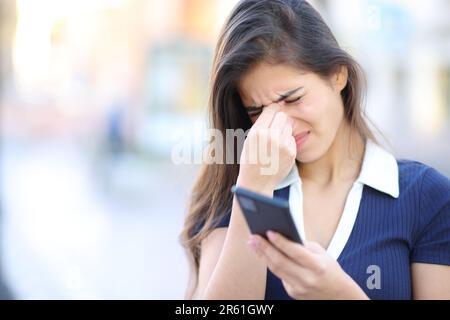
(95, 93)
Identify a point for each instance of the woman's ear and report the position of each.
(340, 78)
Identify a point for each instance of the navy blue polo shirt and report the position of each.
(389, 234)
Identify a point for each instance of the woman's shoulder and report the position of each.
(422, 175)
(221, 220)
(426, 187)
(426, 195)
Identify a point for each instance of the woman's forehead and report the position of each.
(274, 80)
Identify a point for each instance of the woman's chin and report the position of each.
(302, 158)
(305, 157)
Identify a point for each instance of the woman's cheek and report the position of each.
(307, 113)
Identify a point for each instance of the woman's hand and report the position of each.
(306, 271)
(269, 151)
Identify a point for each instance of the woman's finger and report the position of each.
(287, 130)
(280, 265)
(279, 122)
(297, 252)
(265, 119)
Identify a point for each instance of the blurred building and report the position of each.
(96, 90)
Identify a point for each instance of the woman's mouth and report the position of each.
(301, 138)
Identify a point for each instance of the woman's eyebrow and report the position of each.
(287, 94)
(281, 98)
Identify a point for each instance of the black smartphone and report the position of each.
(263, 213)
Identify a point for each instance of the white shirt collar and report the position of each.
(379, 170)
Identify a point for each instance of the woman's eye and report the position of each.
(292, 101)
(254, 111)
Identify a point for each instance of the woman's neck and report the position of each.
(341, 163)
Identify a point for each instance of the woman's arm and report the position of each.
(211, 247)
(430, 269)
(430, 281)
(238, 273)
(228, 268)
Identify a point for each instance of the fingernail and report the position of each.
(271, 235)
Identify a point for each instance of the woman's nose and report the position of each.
(285, 110)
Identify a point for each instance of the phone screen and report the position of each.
(263, 213)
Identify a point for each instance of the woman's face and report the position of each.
(314, 104)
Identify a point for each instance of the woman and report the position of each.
(374, 227)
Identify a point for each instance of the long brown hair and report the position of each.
(277, 31)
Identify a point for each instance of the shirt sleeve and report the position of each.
(432, 243)
(222, 221)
